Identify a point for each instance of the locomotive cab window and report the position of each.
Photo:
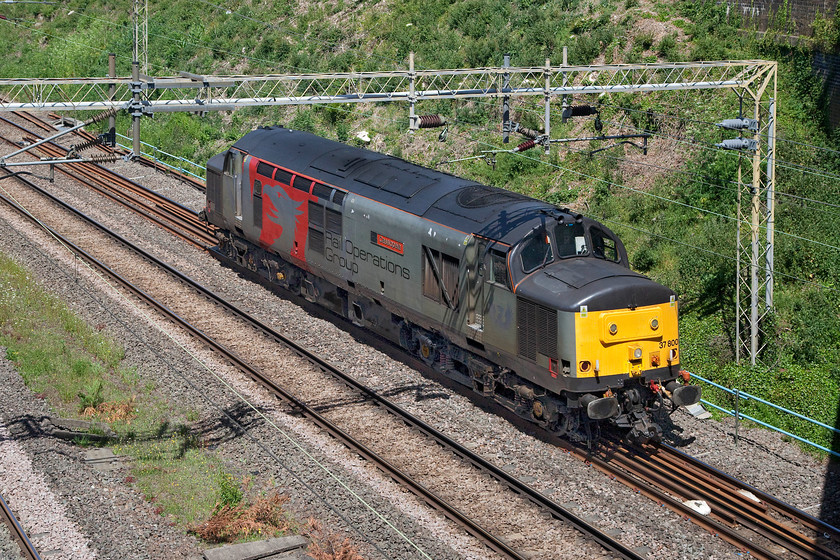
(536, 252)
(603, 246)
(499, 269)
(571, 240)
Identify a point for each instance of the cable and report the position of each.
(779, 162)
(703, 182)
(686, 119)
(728, 257)
(745, 263)
(665, 199)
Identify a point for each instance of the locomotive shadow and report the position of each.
(427, 391)
(422, 392)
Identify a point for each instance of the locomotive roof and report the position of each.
(453, 201)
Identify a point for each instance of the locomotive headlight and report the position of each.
(635, 353)
(654, 323)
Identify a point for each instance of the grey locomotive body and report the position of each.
(526, 303)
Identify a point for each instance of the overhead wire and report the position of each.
(779, 162)
(687, 119)
(620, 125)
(523, 155)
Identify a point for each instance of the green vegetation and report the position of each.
(677, 225)
(80, 372)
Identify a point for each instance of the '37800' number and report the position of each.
(670, 343)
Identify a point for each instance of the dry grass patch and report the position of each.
(325, 545)
(263, 518)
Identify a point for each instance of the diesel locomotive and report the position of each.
(526, 303)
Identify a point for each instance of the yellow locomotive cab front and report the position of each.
(631, 342)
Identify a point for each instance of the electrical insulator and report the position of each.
(86, 144)
(102, 116)
(102, 158)
(740, 123)
(526, 145)
(527, 132)
(431, 121)
(579, 111)
(738, 144)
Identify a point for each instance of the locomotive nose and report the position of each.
(595, 283)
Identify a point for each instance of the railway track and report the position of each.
(166, 213)
(497, 544)
(651, 470)
(756, 523)
(87, 136)
(8, 518)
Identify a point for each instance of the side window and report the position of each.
(603, 246)
(440, 277)
(265, 169)
(536, 252)
(570, 239)
(283, 177)
(499, 269)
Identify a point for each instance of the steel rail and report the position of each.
(397, 475)
(497, 473)
(640, 485)
(555, 510)
(16, 530)
(726, 503)
(142, 160)
(828, 531)
(521, 488)
(162, 211)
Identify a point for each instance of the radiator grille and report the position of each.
(316, 241)
(536, 329)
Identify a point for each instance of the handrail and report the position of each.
(748, 396)
(154, 157)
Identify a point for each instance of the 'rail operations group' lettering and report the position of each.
(352, 255)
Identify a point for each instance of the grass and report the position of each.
(79, 370)
(177, 475)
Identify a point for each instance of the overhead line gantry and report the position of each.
(751, 80)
